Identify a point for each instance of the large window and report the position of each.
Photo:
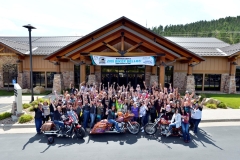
(168, 76)
(238, 78)
(38, 79)
(212, 82)
(123, 75)
(198, 81)
(77, 75)
(50, 77)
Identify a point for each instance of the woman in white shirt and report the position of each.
(196, 117)
(175, 122)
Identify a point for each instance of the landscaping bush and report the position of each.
(25, 118)
(34, 103)
(31, 109)
(26, 105)
(222, 105)
(202, 97)
(5, 115)
(212, 106)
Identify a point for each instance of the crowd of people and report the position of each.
(93, 103)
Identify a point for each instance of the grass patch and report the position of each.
(231, 100)
(11, 93)
(5, 115)
(25, 118)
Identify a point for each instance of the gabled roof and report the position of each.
(127, 24)
(40, 45)
(203, 46)
(231, 50)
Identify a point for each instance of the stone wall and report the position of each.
(147, 78)
(230, 85)
(26, 79)
(190, 83)
(179, 80)
(58, 84)
(98, 74)
(68, 77)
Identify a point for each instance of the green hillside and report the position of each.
(227, 29)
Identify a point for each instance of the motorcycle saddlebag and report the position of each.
(47, 126)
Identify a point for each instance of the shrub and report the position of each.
(5, 115)
(202, 97)
(25, 118)
(26, 105)
(31, 109)
(222, 105)
(34, 103)
(212, 106)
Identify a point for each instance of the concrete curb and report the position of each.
(32, 125)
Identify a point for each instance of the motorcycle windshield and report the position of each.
(71, 114)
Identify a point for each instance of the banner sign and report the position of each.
(119, 61)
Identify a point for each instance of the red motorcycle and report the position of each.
(71, 126)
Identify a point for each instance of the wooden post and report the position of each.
(162, 72)
(82, 73)
(203, 82)
(58, 67)
(154, 70)
(92, 69)
(232, 69)
(190, 69)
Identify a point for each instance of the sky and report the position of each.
(80, 17)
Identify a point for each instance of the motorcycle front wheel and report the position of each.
(134, 129)
(80, 133)
(150, 129)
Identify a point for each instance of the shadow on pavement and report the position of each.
(61, 141)
(115, 137)
(202, 137)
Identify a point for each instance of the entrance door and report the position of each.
(123, 75)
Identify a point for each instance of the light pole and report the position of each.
(29, 27)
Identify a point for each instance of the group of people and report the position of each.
(92, 103)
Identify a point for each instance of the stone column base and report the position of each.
(179, 80)
(91, 79)
(190, 83)
(153, 78)
(58, 83)
(1, 80)
(230, 85)
(20, 79)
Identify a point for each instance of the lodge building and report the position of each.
(122, 52)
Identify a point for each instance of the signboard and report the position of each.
(18, 97)
(119, 61)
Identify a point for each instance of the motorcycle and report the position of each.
(123, 121)
(71, 126)
(163, 124)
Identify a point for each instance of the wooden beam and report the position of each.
(134, 47)
(1, 49)
(92, 71)
(232, 71)
(111, 47)
(82, 73)
(115, 54)
(234, 58)
(162, 72)
(122, 42)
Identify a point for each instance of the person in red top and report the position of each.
(185, 126)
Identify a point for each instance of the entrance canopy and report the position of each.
(123, 38)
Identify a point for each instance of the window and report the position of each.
(212, 82)
(77, 75)
(50, 77)
(237, 78)
(198, 81)
(38, 79)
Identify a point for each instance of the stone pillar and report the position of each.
(58, 83)
(1, 79)
(68, 77)
(26, 79)
(190, 83)
(224, 78)
(98, 74)
(230, 85)
(20, 80)
(153, 78)
(148, 73)
(179, 80)
(91, 79)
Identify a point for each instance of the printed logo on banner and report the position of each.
(102, 60)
